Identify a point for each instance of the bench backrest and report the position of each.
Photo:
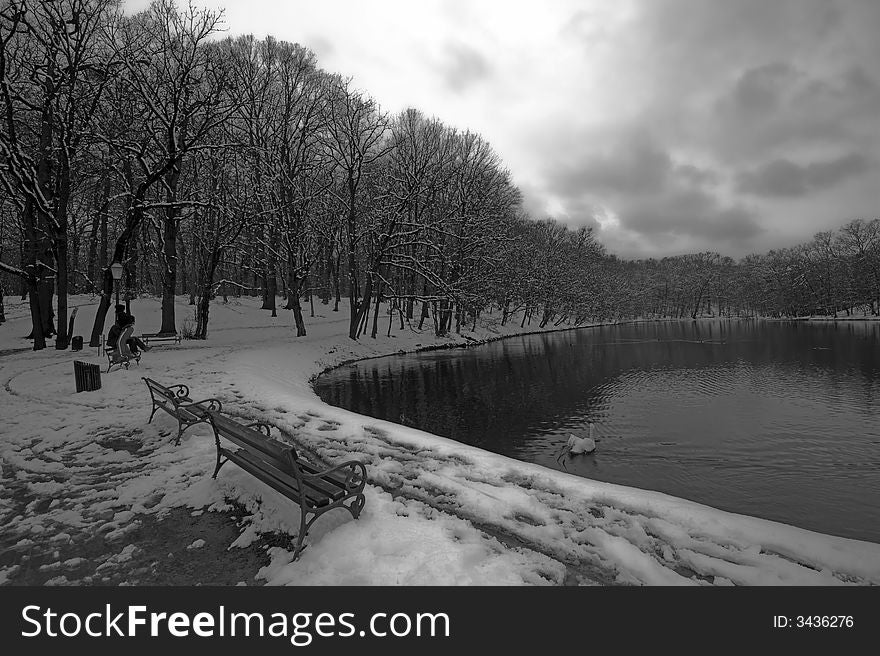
(267, 448)
(162, 390)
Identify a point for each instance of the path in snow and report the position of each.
(77, 503)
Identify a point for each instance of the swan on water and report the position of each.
(578, 445)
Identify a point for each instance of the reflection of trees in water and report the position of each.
(775, 419)
(504, 392)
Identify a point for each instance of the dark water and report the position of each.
(776, 420)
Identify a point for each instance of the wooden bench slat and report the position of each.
(279, 468)
(337, 478)
(286, 483)
(325, 487)
(160, 339)
(248, 437)
(256, 470)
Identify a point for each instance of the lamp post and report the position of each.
(116, 272)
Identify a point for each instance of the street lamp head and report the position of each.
(116, 271)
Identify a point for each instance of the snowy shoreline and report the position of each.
(438, 512)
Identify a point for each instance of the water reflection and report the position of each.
(774, 419)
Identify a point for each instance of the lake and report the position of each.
(773, 419)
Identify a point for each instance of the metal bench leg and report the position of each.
(155, 407)
(219, 465)
(182, 428)
(357, 505)
(303, 528)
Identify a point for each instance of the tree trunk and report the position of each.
(424, 314)
(62, 338)
(272, 291)
(376, 311)
(203, 307)
(93, 250)
(169, 279)
(103, 306)
(353, 301)
(134, 217)
(184, 271)
(293, 300)
(298, 318)
(105, 244)
(336, 284)
(36, 315)
(98, 257)
(23, 285)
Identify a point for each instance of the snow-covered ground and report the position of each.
(77, 466)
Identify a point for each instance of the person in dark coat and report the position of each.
(113, 335)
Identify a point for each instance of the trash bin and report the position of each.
(88, 376)
(76, 344)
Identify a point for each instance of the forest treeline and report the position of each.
(237, 166)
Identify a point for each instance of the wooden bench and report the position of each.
(277, 464)
(175, 400)
(157, 339)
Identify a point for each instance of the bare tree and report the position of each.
(355, 140)
(52, 73)
(173, 89)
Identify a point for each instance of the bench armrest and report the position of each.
(182, 390)
(355, 478)
(261, 426)
(213, 405)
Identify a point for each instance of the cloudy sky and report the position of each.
(671, 126)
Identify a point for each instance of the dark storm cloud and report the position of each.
(634, 164)
(777, 105)
(697, 176)
(760, 90)
(583, 212)
(649, 191)
(708, 33)
(690, 213)
(463, 66)
(742, 79)
(782, 177)
(727, 106)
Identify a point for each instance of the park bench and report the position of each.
(158, 339)
(278, 465)
(121, 355)
(175, 400)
